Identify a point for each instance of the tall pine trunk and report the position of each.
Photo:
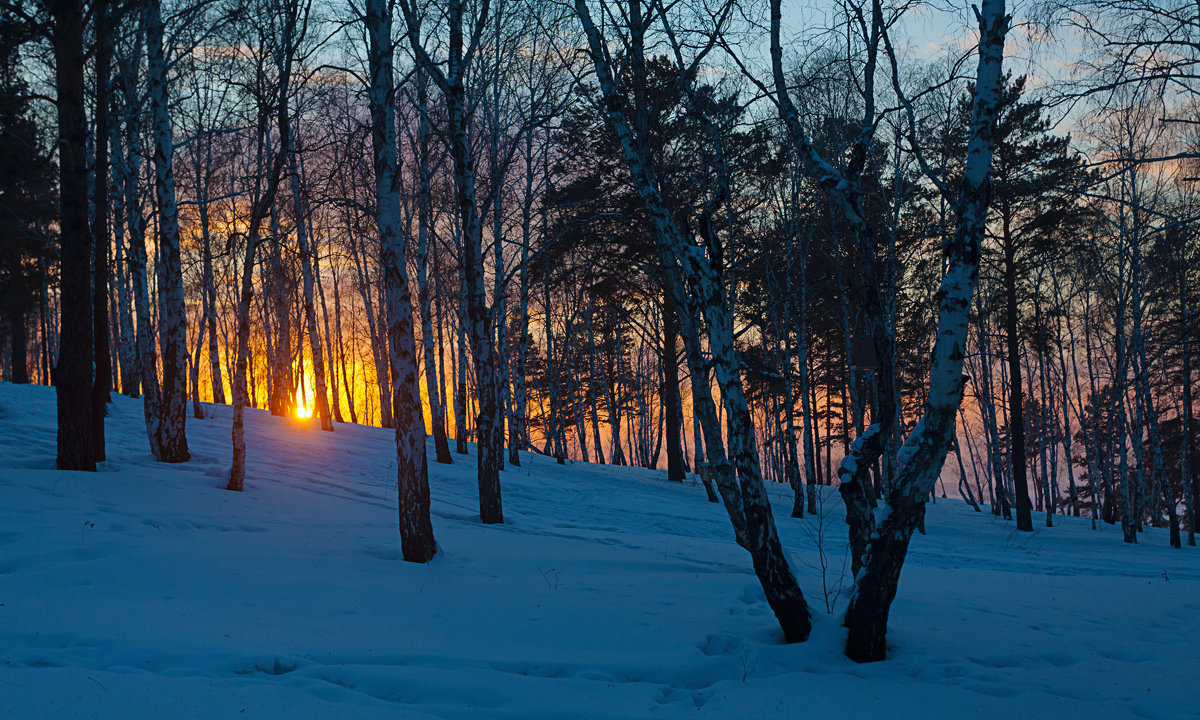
(1016, 410)
(102, 382)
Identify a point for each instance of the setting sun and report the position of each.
(304, 401)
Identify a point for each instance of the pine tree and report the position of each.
(26, 201)
(1034, 176)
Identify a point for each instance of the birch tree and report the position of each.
(920, 459)
(416, 530)
(740, 484)
(465, 30)
(172, 326)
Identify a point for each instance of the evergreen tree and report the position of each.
(26, 200)
(1034, 178)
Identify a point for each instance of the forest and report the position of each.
(904, 250)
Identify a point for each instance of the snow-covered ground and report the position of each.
(148, 591)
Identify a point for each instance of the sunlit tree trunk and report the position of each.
(593, 379)
(278, 323)
(461, 431)
(307, 262)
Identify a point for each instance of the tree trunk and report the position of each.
(307, 252)
(147, 362)
(73, 371)
(424, 290)
(490, 444)
(19, 339)
(924, 452)
(127, 344)
(172, 328)
(1190, 486)
(671, 404)
(416, 530)
(102, 381)
(747, 506)
(1016, 413)
(209, 294)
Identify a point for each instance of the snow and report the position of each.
(148, 591)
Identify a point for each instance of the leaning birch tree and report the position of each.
(694, 277)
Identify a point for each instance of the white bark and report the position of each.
(172, 314)
(416, 530)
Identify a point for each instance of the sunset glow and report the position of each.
(304, 400)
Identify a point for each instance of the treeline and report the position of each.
(621, 233)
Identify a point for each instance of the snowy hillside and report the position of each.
(147, 591)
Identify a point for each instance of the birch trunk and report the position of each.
(147, 362)
(127, 346)
(424, 290)
(307, 253)
(747, 505)
(923, 453)
(172, 326)
(208, 290)
(416, 530)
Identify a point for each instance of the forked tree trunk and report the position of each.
(258, 212)
(477, 316)
(924, 452)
